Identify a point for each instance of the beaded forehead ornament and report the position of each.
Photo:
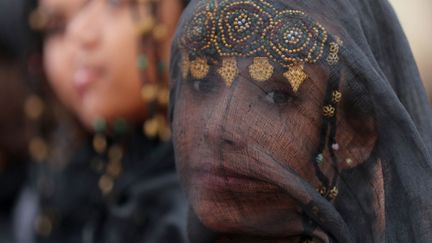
(229, 29)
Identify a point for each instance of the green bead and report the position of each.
(120, 126)
(319, 159)
(100, 125)
(161, 67)
(142, 62)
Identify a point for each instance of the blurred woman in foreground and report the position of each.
(104, 168)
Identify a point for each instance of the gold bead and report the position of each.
(34, 107)
(38, 149)
(99, 143)
(106, 184)
(151, 128)
(149, 92)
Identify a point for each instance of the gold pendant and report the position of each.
(333, 193)
(296, 76)
(149, 92)
(199, 68)
(336, 96)
(151, 128)
(329, 111)
(229, 70)
(38, 149)
(261, 70)
(333, 56)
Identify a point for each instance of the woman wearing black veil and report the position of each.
(300, 121)
(103, 166)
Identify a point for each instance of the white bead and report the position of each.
(335, 146)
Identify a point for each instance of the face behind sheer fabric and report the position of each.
(242, 142)
(90, 55)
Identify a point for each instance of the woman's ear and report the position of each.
(356, 135)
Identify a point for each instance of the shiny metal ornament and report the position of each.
(329, 111)
(228, 71)
(261, 70)
(149, 92)
(199, 68)
(296, 76)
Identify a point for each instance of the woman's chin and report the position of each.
(258, 216)
(90, 116)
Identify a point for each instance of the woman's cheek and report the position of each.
(59, 70)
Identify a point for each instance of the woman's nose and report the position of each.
(222, 123)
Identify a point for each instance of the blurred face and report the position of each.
(244, 151)
(90, 56)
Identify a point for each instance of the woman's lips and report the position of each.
(223, 179)
(84, 77)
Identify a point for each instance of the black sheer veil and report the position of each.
(382, 79)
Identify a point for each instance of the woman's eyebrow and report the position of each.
(276, 79)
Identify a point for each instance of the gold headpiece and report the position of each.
(229, 29)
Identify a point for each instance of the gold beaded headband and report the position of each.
(230, 29)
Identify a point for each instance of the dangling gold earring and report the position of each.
(154, 94)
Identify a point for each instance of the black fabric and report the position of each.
(14, 36)
(14, 128)
(381, 79)
(146, 205)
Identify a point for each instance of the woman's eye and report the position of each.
(203, 86)
(55, 28)
(278, 97)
